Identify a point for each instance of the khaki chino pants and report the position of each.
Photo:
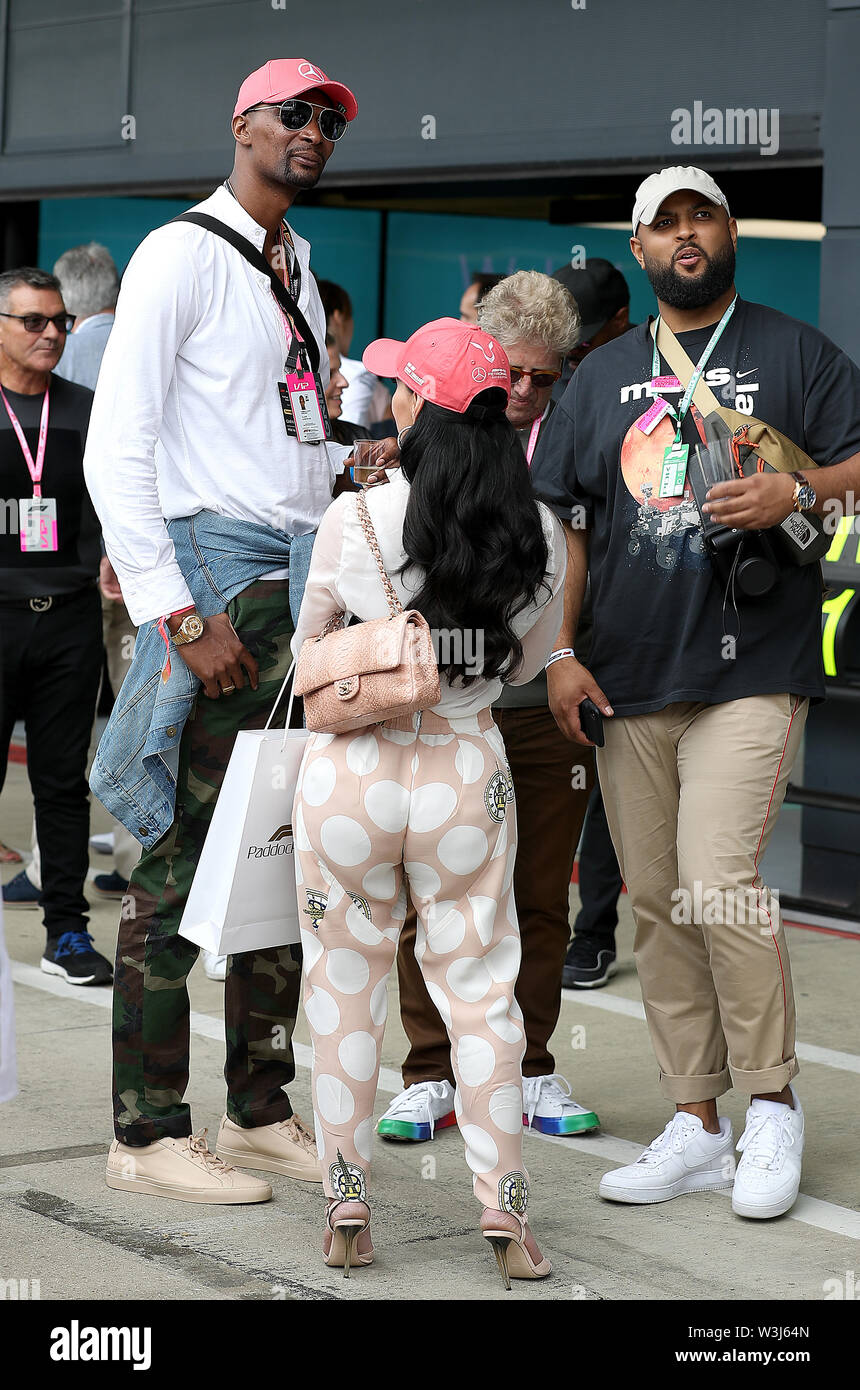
(692, 793)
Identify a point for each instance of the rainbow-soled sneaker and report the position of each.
(548, 1108)
(418, 1112)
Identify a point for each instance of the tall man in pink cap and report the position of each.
(210, 415)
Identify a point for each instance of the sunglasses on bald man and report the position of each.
(296, 115)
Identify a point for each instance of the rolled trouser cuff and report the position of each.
(146, 1130)
(684, 1090)
(768, 1081)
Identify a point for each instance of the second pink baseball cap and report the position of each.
(289, 77)
(447, 362)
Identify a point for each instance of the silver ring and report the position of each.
(225, 689)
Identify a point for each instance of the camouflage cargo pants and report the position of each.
(151, 1008)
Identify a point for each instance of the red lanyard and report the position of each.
(35, 468)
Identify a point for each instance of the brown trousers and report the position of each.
(552, 783)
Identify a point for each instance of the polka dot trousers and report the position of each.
(423, 805)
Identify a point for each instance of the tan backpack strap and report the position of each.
(777, 449)
(370, 536)
(670, 348)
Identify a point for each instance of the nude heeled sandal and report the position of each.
(511, 1238)
(352, 1220)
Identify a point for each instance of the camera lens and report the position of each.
(755, 575)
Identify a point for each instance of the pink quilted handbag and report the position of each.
(350, 677)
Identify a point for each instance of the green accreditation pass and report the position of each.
(674, 470)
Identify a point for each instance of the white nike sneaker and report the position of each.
(416, 1113)
(684, 1158)
(214, 966)
(548, 1108)
(768, 1177)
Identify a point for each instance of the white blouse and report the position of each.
(344, 577)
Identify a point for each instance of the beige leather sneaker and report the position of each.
(184, 1169)
(286, 1147)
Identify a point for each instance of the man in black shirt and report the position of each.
(50, 613)
(708, 689)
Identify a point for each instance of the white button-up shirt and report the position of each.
(187, 415)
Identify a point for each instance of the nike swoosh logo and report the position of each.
(749, 373)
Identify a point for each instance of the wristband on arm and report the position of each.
(162, 628)
(558, 655)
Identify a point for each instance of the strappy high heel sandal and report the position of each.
(514, 1246)
(343, 1231)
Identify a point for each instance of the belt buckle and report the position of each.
(40, 605)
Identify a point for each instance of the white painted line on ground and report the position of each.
(617, 1004)
(612, 1003)
(826, 1216)
(827, 1057)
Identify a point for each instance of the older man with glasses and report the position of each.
(537, 323)
(50, 613)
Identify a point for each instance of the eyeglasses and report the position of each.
(297, 115)
(539, 379)
(36, 323)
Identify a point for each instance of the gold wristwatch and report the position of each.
(804, 493)
(189, 630)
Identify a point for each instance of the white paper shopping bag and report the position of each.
(243, 897)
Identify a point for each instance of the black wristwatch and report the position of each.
(804, 493)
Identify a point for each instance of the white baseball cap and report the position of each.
(652, 191)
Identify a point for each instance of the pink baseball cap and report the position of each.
(289, 77)
(447, 362)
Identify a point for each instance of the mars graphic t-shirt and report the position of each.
(659, 619)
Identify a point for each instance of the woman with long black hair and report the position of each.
(424, 804)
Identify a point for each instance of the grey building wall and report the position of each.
(532, 87)
(840, 251)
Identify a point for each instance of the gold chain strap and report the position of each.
(370, 536)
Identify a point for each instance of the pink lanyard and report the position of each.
(35, 468)
(535, 431)
(290, 329)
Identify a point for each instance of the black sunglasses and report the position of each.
(297, 115)
(36, 323)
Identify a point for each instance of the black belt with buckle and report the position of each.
(45, 602)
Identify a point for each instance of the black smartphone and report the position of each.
(591, 721)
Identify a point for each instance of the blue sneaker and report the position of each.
(110, 885)
(72, 956)
(20, 892)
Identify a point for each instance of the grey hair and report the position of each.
(530, 307)
(26, 275)
(89, 279)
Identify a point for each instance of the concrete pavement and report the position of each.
(62, 1226)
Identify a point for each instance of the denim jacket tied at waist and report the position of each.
(135, 767)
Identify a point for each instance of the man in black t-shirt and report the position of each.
(709, 689)
(50, 612)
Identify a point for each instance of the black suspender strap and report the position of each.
(256, 258)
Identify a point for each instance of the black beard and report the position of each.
(685, 292)
(300, 178)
